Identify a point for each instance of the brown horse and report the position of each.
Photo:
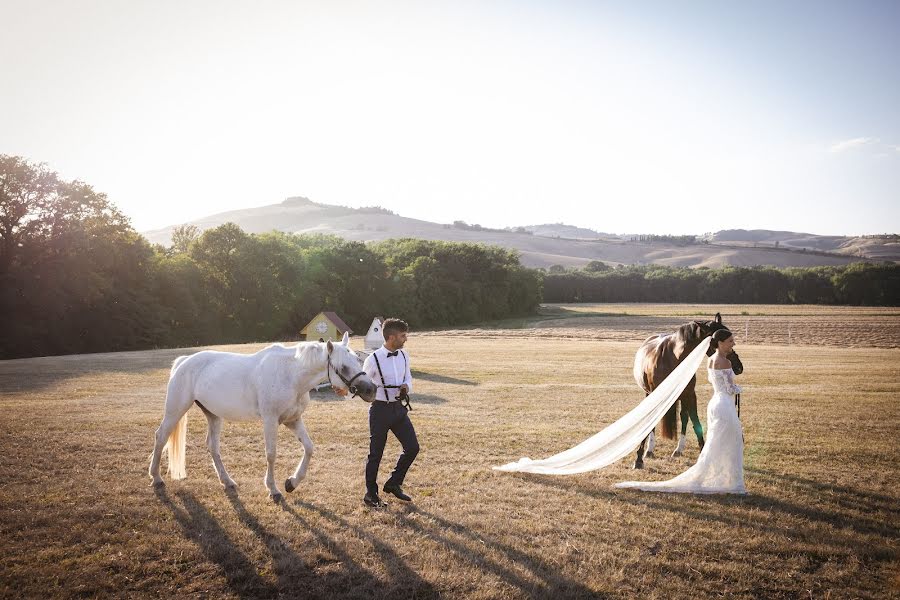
(655, 359)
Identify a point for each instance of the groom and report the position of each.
(389, 367)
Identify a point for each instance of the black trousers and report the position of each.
(384, 417)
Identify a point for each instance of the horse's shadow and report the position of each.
(293, 573)
(546, 579)
(199, 526)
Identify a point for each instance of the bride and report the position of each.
(720, 468)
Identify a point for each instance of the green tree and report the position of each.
(183, 236)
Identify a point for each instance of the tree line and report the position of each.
(861, 284)
(75, 277)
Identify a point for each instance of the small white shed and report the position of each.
(374, 337)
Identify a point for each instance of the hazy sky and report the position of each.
(656, 117)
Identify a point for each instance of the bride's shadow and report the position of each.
(687, 505)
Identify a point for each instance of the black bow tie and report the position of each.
(392, 354)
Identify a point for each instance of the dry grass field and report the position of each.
(822, 519)
(844, 326)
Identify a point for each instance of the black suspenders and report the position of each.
(386, 386)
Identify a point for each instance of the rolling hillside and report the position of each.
(734, 247)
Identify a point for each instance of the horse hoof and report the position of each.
(288, 486)
(638, 465)
(158, 484)
(676, 454)
(650, 455)
(276, 498)
(230, 486)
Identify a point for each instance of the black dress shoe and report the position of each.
(396, 491)
(373, 500)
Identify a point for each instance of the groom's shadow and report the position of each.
(402, 581)
(550, 583)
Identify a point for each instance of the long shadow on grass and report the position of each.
(681, 505)
(199, 526)
(329, 396)
(434, 377)
(550, 584)
(294, 575)
(404, 582)
(32, 374)
(844, 496)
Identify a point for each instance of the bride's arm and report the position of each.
(730, 385)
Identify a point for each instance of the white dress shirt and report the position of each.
(395, 369)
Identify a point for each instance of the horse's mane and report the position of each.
(688, 333)
(307, 354)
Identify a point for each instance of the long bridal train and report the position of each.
(623, 436)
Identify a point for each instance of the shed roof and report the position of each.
(338, 322)
(332, 318)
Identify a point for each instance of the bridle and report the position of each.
(348, 382)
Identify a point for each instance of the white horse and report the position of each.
(272, 385)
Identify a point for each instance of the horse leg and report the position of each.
(172, 432)
(270, 433)
(639, 459)
(166, 429)
(698, 428)
(681, 440)
(308, 449)
(651, 444)
(212, 444)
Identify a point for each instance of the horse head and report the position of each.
(344, 363)
(704, 329)
(736, 365)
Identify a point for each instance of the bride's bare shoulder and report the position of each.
(719, 362)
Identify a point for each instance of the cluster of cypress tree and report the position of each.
(861, 284)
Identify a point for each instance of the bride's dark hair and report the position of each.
(719, 335)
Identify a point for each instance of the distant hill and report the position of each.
(539, 245)
(562, 230)
(886, 246)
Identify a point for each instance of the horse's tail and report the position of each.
(175, 446)
(670, 422)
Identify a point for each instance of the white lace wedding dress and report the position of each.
(720, 468)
